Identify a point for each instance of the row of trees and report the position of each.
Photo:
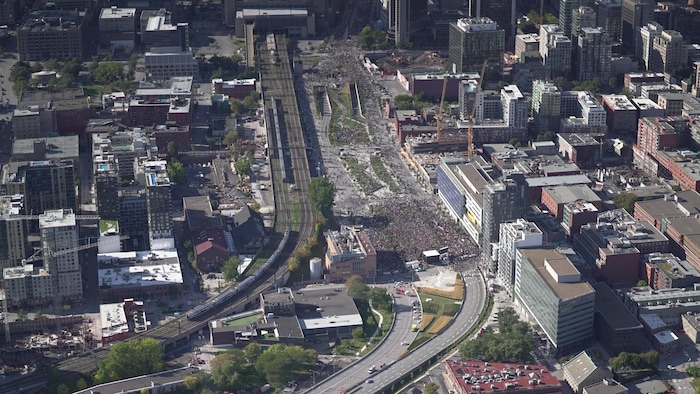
(624, 361)
(512, 344)
(249, 104)
(252, 367)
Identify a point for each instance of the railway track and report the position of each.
(292, 208)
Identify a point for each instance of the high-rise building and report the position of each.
(500, 11)
(546, 106)
(58, 233)
(13, 241)
(406, 18)
(513, 236)
(582, 17)
(594, 54)
(474, 40)
(107, 183)
(648, 34)
(635, 14)
(46, 185)
(669, 52)
(551, 291)
(502, 201)
(566, 10)
(514, 106)
(158, 199)
(555, 49)
(52, 34)
(133, 218)
(610, 17)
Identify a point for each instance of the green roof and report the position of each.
(109, 226)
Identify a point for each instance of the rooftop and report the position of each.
(579, 139)
(670, 265)
(686, 226)
(645, 104)
(558, 272)
(139, 269)
(582, 366)
(11, 205)
(136, 384)
(619, 102)
(117, 13)
(348, 242)
(57, 218)
(687, 161)
(580, 179)
(51, 20)
(496, 377)
(325, 307)
(54, 148)
(109, 227)
(477, 24)
(571, 193)
(255, 12)
(692, 318)
(607, 386)
(113, 318)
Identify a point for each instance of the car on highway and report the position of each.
(369, 381)
(404, 343)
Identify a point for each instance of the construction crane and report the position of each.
(48, 255)
(470, 133)
(442, 104)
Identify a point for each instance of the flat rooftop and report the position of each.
(256, 12)
(511, 377)
(561, 264)
(579, 139)
(56, 148)
(325, 307)
(11, 205)
(571, 193)
(579, 179)
(139, 382)
(113, 319)
(57, 218)
(117, 13)
(139, 269)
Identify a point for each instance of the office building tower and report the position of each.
(669, 52)
(514, 104)
(107, 183)
(527, 47)
(582, 17)
(158, 199)
(566, 11)
(502, 201)
(648, 34)
(474, 40)
(46, 185)
(546, 106)
(609, 14)
(635, 14)
(513, 236)
(502, 12)
(59, 232)
(555, 50)
(551, 291)
(594, 54)
(117, 27)
(13, 231)
(133, 218)
(406, 18)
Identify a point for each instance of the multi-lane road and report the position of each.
(354, 377)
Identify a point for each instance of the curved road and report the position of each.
(355, 376)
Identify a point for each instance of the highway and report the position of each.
(353, 378)
(292, 208)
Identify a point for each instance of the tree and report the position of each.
(634, 361)
(176, 172)
(230, 138)
(108, 72)
(129, 359)
(626, 201)
(38, 314)
(322, 195)
(357, 289)
(642, 283)
(280, 364)
(431, 388)
(190, 383)
(172, 148)
(235, 105)
(21, 315)
(231, 371)
(242, 165)
(252, 101)
(251, 352)
(358, 333)
(293, 263)
(230, 268)
(512, 344)
(63, 389)
(380, 299)
(81, 384)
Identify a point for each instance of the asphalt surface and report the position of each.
(388, 352)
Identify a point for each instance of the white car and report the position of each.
(404, 343)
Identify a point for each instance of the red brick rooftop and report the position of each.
(484, 377)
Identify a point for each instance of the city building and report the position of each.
(430, 84)
(690, 322)
(154, 175)
(555, 50)
(594, 54)
(644, 302)
(666, 271)
(13, 232)
(151, 274)
(463, 377)
(211, 243)
(514, 235)
(63, 111)
(349, 253)
(546, 106)
(633, 81)
(473, 41)
(582, 17)
(582, 149)
(615, 326)
(669, 52)
(555, 197)
(566, 13)
(160, 32)
(677, 205)
(122, 320)
(27, 123)
(238, 88)
(682, 166)
(584, 370)
(106, 183)
(515, 106)
(648, 108)
(648, 34)
(609, 15)
(405, 19)
(576, 214)
(59, 233)
(27, 285)
(164, 63)
(45, 185)
(614, 244)
(51, 34)
(133, 214)
(46, 149)
(551, 292)
(621, 114)
(527, 47)
(298, 23)
(117, 27)
(124, 147)
(606, 386)
(635, 14)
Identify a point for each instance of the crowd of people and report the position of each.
(401, 230)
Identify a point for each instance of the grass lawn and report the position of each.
(243, 321)
(94, 91)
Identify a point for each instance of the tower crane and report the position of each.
(470, 133)
(442, 104)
